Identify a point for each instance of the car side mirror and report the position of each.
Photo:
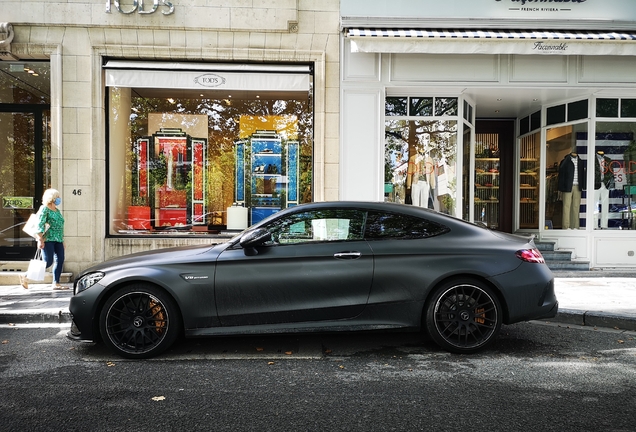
(254, 238)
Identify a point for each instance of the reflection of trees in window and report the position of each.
(223, 130)
(400, 227)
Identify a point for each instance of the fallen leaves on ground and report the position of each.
(110, 364)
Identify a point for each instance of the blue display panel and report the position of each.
(240, 171)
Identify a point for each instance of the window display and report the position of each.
(186, 161)
(420, 155)
(614, 175)
(566, 188)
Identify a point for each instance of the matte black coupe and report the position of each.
(327, 266)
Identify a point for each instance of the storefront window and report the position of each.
(614, 175)
(420, 163)
(529, 180)
(565, 184)
(194, 161)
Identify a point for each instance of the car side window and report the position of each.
(393, 226)
(318, 225)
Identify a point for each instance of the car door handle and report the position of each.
(347, 255)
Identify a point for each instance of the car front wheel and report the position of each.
(463, 316)
(139, 321)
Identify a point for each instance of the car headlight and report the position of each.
(88, 281)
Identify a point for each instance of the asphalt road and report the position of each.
(537, 377)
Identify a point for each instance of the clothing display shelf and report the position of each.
(487, 190)
(528, 193)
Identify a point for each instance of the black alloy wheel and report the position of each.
(139, 321)
(463, 316)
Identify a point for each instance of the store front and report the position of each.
(163, 124)
(217, 148)
(493, 125)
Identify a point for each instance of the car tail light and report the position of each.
(530, 255)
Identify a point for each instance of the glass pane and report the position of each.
(606, 107)
(535, 121)
(421, 107)
(395, 106)
(487, 179)
(466, 171)
(529, 181)
(420, 163)
(565, 177)
(614, 175)
(390, 226)
(524, 125)
(25, 82)
(555, 115)
(577, 110)
(17, 177)
(445, 106)
(628, 107)
(201, 162)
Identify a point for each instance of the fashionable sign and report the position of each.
(492, 42)
(139, 7)
(607, 11)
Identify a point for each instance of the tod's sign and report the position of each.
(141, 6)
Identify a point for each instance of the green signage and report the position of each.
(17, 202)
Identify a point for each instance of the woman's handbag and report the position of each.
(31, 225)
(37, 267)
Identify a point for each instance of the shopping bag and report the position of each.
(31, 225)
(37, 267)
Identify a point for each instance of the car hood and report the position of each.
(155, 257)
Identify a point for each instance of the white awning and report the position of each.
(207, 76)
(491, 42)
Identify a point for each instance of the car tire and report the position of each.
(463, 316)
(139, 321)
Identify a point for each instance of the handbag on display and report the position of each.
(37, 267)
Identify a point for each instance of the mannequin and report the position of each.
(420, 176)
(603, 182)
(571, 183)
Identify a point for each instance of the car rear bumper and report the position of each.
(528, 293)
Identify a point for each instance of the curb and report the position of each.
(595, 319)
(564, 316)
(61, 317)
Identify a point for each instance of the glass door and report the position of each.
(24, 152)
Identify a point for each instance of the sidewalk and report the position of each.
(599, 299)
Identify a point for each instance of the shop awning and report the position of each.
(444, 41)
(201, 76)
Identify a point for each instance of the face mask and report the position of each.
(57, 201)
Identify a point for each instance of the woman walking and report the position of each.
(50, 235)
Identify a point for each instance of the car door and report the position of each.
(316, 267)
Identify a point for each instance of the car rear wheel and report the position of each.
(139, 321)
(463, 316)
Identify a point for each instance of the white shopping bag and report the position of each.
(31, 225)
(37, 267)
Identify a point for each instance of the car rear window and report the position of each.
(388, 226)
